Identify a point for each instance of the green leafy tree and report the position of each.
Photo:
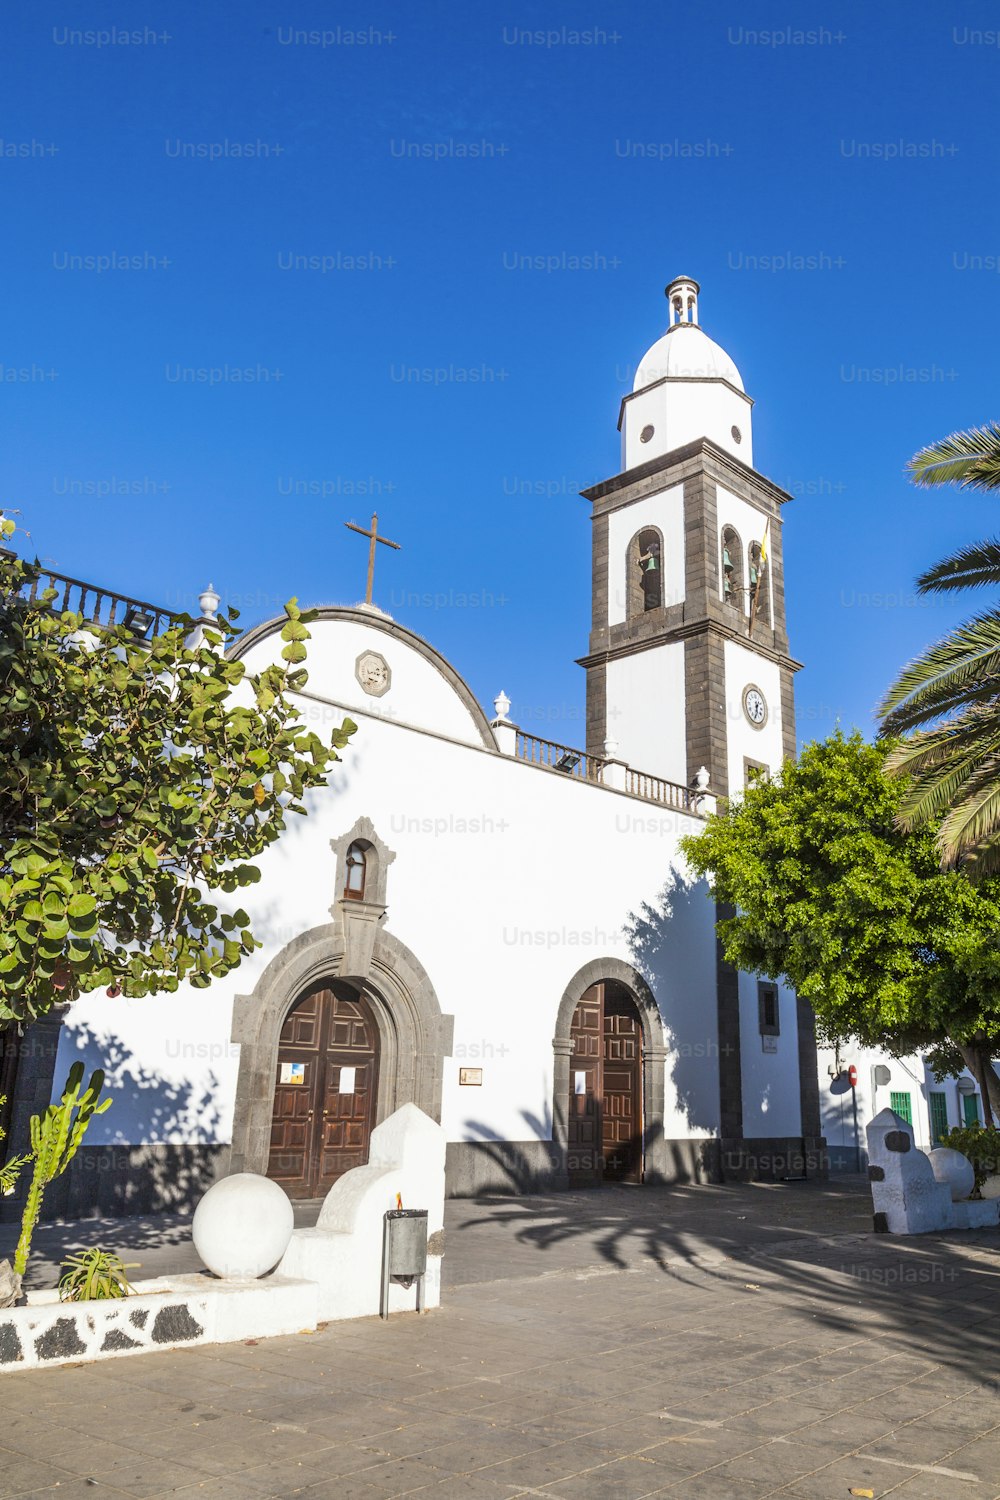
(136, 779)
(947, 702)
(856, 912)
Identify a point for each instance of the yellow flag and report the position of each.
(763, 545)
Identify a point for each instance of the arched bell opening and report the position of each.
(644, 582)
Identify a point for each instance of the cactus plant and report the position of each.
(55, 1137)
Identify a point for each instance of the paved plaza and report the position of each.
(695, 1342)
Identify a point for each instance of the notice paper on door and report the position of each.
(579, 1083)
(347, 1078)
(293, 1073)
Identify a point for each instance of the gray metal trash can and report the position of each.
(404, 1253)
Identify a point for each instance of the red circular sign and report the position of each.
(852, 1076)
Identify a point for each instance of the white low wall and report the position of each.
(167, 1313)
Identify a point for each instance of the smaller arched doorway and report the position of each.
(325, 1089)
(605, 1114)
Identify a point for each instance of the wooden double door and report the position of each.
(605, 1088)
(325, 1090)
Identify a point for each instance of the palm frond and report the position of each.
(967, 661)
(932, 791)
(970, 459)
(973, 822)
(968, 568)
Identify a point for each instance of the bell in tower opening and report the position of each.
(651, 570)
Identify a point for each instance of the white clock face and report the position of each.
(755, 706)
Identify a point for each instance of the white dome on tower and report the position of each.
(686, 387)
(685, 352)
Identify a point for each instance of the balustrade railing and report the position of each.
(656, 789)
(583, 767)
(562, 758)
(99, 606)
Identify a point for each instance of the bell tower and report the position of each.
(688, 664)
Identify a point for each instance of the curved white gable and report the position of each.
(424, 691)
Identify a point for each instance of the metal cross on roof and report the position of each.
(373, 538)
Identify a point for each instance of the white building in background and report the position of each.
(932, 1105)
(492, 925)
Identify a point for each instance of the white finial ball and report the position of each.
(610, 748)
(953, 1169)
(209, 603)
(242, 1226)
(501, 705)
(702, 779)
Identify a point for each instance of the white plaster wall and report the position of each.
(681, 412)
(771, 1100)
(646, 710)
(744, 666)
(507, 880)
(665, 510)
(748, 523)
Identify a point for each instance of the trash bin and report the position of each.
(404, 1253)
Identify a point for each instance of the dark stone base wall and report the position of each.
(846, 1159)
(774, 1158)
(476, 1169)
(119, 1181)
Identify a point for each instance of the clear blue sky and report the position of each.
(750, 150)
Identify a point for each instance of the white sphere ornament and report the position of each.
(242, 1226)
(953, 1169)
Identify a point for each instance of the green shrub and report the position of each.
(981, 1144)
(94, 1275)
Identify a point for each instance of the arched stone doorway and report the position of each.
(324, 1096)
(413, 1037)
(609, 1031)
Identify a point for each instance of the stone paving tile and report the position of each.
(715, 1487)
(627, 1478)
(19, 1473)
(836, 1481)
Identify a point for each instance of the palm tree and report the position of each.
(947, 702)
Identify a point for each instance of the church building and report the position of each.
(494, 926)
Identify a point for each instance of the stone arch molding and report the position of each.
(654, 1057)
(414, 1037)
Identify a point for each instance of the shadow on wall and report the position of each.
(532, 1165)
(667, 945)
(141, 1170)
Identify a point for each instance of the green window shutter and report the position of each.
(900, 1105)
(939, 1116)
(970, 1107)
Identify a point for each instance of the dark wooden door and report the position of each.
(605, 1089)
(584, 1160)
(324, 1092)
(622, 1116)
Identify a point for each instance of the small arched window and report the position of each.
(644, 585)
(732, 568)
(357, 870)
(760, 586)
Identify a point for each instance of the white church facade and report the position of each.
(495, 927)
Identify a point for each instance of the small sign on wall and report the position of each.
(470, 1077)
(292, 1073)
(580, 1082)
(348, 1080)
(769, 1043)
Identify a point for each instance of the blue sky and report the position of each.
(427, 171)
